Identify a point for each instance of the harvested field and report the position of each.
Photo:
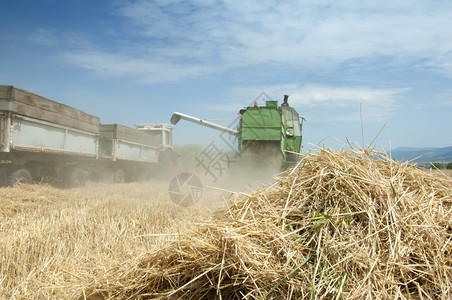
(443, 172)
(53, 242)
(340, 225)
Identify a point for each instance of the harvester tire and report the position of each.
(18, 177)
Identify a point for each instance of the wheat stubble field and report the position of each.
(54, 242)
(340, 225)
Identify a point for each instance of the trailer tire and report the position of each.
(74, 177)
(18, 177)
(119, 176)
(36, 170)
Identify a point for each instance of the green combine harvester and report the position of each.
(265, 132)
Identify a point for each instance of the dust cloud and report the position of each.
(254, 169)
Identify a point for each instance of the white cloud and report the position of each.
(306, 34)
(442, 99)
(315, 95)
(441, 63)
(322, 103)
(145, 70)
(44, 37)
(198, 38)
(333, 103)
(61, 40)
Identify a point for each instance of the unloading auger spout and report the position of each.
(176, 117)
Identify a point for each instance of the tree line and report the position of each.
(440, 165)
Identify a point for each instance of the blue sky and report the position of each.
(350, 67)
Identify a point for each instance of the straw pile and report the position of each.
(340, 225)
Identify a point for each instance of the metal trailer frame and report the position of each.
(21, 133)
(119, 149)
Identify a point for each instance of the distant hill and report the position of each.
(423, 155)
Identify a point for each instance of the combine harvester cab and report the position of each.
(271, 132)
(265, 132)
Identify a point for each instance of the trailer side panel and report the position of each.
(121, 132)
(119, 142)
(33, 135)
(35, 106)
(125, 150)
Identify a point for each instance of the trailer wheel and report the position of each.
(36, 170)
(119, 176)
(18, 177)
(74, 177)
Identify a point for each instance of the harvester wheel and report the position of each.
(19, 176)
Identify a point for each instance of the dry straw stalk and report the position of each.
(341, 225)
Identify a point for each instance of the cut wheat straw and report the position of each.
(53, 241)
(343, 224)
